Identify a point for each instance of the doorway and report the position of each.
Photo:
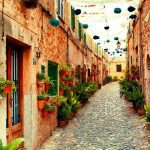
(14, 69)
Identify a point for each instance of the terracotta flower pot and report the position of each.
(8, 88)
(47, 99)
(41, 104)
(61, 92)
(45, 113)
(67, 72)
(62, 73)
(63, 82)
(141, 112)
(0, 102)
(52, 112)
(70, 83)
(47, 86)
(40, 84)
(62, 123)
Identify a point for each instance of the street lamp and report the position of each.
(118, 44)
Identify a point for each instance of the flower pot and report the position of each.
(45, 113)
(0, 102)
(41, 104)
(147, 125)
(47, 86)
(141, 112)
(62, 123)
(8, 88)
(47, 99)
(61, 92)
(52, 112)
(40, 84)
(62, 73)
(70, 83)
(67, 72)
(63, 82)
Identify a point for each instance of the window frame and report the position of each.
(60, 10)
(118, 69)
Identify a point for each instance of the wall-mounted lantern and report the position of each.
(37, 55)
(118, 44)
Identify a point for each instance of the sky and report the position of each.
(100, 13)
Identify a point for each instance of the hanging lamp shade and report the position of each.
(132, 17)
(117, 10)
(95, 37)
(120, 54)
(106, 49)
(116, 38)
(85, 26)
(117, 51)
(98, 43)
(131, 8)
(54, 22)
(107, 40)
(106, 27)
(77, 11)
(108, 52)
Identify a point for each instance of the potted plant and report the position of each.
(30, 3)
(147, 117)
(9, 86)
(52, 109)
(70, 79)
(57, 102)
(40, 79)
(48, 83)
(48, 109)
(62, 69)
(41, 100)
(61, 89)
(64, 112)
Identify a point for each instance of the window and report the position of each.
(61, 8)
(118, 68)
(72, 18)
(53, 74)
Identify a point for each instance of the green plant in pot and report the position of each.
(10, 86)
(64, 112)
(13, 145)
(40, 79)
(59, 100)
(48, 83)
(41, 100)
(48, 109)
(147, 116)
(70, 79)
(61, 89)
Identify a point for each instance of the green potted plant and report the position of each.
(48, 109)
(30, 3)
(64, 112)
(13, 145)
(48, 83)
(70, 79)
(10, 86)
(41, 100)
(147, 116)
(57, 102)
(61, 89)
(40, 79)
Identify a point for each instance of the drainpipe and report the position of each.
(2, 38)
(67, 54)
(141, 49)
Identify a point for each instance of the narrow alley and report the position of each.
(105, 123)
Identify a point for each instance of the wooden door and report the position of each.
(14, 101)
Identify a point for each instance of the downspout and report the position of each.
(2, 38)
(141, 50)
(67, 54)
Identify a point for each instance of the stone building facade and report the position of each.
(23, 33)
(139, 47)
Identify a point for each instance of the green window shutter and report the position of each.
(79, 31)
(72, 18)
(84, 40)
(53, 74)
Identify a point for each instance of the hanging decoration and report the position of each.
(77, 11)
(117, 51)
(118, 45)
(131, 8)
(132, 17)
(106, 27)
(107, 40)
(54, 22)
(108, 52)
(98, 43)
(116, 38)
(95, 37)
(120, 54)
(117, 10)
(30, 3)
(106, 49)
(85, 26)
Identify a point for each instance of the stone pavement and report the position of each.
(105, 123)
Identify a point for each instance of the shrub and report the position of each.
(147, 109)
(107, 79)
(115, 78)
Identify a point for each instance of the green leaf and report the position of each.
(14, 144)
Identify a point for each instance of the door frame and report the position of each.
(12, 129)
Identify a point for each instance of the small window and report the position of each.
(61, 8)
(118, 68)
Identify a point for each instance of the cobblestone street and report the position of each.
(105, 123)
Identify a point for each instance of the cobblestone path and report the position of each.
(105, 123)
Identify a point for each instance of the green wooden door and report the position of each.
(53, 74)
